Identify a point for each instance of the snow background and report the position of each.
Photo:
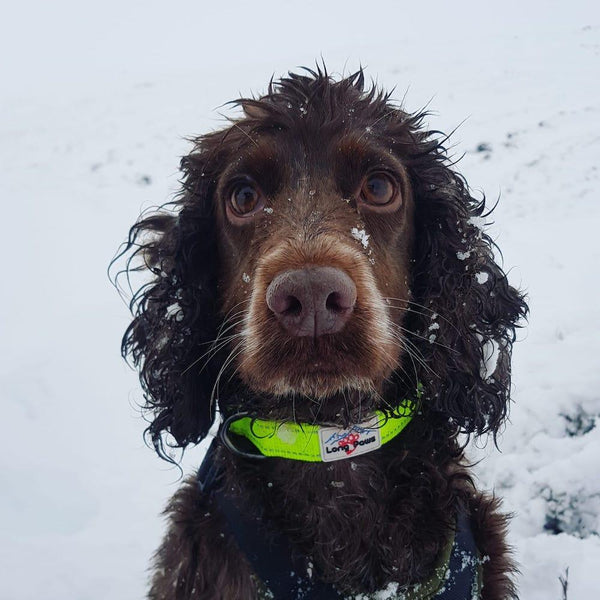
(96, 101)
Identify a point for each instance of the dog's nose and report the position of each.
(312, 301)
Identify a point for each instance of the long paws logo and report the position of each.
(349, 443)
(337, 443)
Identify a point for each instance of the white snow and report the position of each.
(478, 222)
(491, 353)
(174, 310)
(482, 277)
(96, 102)
(360, 235)
(390, 591)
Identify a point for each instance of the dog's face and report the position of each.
(316, 231)
(323, 259)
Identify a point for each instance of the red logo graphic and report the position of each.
(349, 442)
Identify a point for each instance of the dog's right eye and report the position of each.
(378, 190)
(245, 200)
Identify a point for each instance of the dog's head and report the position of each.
(323, 259)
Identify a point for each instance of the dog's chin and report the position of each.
(318, 397)
(321, 385)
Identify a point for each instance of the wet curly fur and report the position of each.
(389, 513)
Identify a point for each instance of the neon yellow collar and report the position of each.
(320, 443)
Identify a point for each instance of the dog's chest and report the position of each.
(347, 521)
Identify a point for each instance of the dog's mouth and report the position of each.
(312, 366)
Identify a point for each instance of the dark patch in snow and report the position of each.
(579, 422)
(569, 513)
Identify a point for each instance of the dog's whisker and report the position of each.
(346, 402)
(412, 360)
(223, 337)
(379, 399)
(415, 355)
(222, 344)
(235, 352)
(295, 420)
(427, 309)
(433, 341)
(227, 316)
(413, 352)
(216, 346)
(230, 322)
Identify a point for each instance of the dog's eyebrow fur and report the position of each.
(354, 158)
(366, 154)
(266, 163)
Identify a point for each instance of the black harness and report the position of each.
(289, 576)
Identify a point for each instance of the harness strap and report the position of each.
(272, 558)
(288, 575)
(463, 570)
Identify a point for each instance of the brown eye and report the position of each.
(244, 199)
(378, 189)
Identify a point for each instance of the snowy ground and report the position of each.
(96, 100)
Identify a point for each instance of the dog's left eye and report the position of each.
(378, 189)
(244, 200)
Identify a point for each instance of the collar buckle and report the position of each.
(224, 435)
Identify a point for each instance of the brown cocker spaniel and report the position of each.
(322, 262)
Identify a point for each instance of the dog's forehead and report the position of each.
(291, 157)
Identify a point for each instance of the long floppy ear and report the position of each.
(175, 313)
(466, 312)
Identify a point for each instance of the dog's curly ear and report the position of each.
(466, 312)
(175, 313)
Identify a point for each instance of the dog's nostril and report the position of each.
(335, 303)
(294, 306)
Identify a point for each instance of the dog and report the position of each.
(323, 287)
